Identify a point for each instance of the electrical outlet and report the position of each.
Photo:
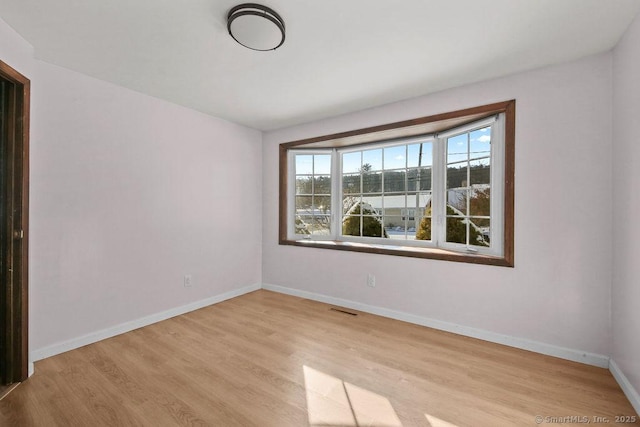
(187, 281)
(371, 280)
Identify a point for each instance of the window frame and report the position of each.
(430, 139)
(291, 193)
(367, 137)
(496, 179)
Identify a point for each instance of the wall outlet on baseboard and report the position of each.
(187, 280)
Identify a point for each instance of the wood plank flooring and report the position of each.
(6, 389)
(266, 359)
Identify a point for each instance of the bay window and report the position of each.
(436, 187)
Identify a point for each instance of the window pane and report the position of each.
(480, 202)
(386, 205)
(371, 182)
(303, 204)
(322, 164)
(372, 226)
(480, 142)
(395, 181)
(352, 222)
(457, 202)
(359, 221)
(373, 203)
(304, 185)
(372, 160)
(483, 227)
(395, 157)
(304, 164)
(410, 215)
(456, 229)
(413, 155)
(322, 204)
(322, 185)
(480, 172)
(413, 178)
(301, 226)
(320, 225)
(351, 162)
(424, 202)
(420, 155)
(479, 232)
(395, 227)
(481, 222)
(425, 179)
(351, 184)
(419, 179)
(423, 230)
(349, 204)
(457, 175)
(457, 148)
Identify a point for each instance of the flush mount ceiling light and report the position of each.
(256, 27)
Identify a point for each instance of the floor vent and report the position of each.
(343, 311)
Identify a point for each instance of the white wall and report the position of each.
(14, 50)
(559, 291)
(128, 194)
(626, 206)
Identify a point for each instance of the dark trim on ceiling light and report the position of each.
(257, 10)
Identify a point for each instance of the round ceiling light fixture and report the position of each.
(256, 27)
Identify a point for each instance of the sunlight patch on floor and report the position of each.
(437, 422)
(333, 402)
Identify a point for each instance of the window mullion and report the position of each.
(291, 194)
(336, 194)
(497, 184)
(438, 199)
(313, 191)
(468, 190)
(361, 219)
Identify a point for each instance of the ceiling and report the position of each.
(339, 56)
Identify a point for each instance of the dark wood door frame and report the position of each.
(15, 224)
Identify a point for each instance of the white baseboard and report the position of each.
(31, 369)
(522, 343)
(93, 337)
(626, 386)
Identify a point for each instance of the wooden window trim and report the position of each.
(434, 123)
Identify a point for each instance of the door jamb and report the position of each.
(20, 372)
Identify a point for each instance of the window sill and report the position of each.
(406, 251)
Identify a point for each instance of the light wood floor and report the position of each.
(265, 359)
(6, 389)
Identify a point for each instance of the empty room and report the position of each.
(319, 213)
